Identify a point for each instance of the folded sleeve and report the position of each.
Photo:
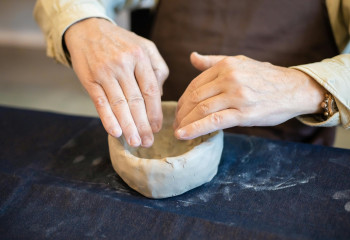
(334, 75)
(55, 16)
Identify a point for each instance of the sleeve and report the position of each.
(334, 73)
(55, 16)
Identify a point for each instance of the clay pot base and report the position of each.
(170, 167)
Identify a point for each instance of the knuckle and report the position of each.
(135, 100)
(151, 90)
(150, 44)
(162, 74)
(194, 96)
(232, 75)
(137, 51)
(100, 102)
(226, 61)
(216, 119)
(203, 108)
(193, 86)
(196, 125)
(229, 79)
(122, 60)
(117, 102)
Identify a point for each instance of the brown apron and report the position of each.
(281, 32)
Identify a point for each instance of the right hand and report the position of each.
(123, 74)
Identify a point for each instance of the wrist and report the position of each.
(311, 94)
(80, 29)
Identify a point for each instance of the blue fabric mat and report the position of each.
(57, 182)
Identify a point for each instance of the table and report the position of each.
(57, 182)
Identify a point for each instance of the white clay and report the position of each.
(170, 167)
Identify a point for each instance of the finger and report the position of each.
(203, 62)
(138, 110)
(203, 78)
(203, 109)
(197, 96)
(151, 94)
(215, 121)
(120, 108)
(104, 110)
(137, 107)
(159, 67)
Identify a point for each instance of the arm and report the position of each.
(56, 16)
(122, 72)
(225, 95)
(239, 91)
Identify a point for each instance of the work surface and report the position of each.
(56, 181)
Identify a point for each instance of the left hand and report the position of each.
(239, 91)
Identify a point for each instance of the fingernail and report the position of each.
(135, 141)
(116, 133)
(147, 141)
(155, 127)
(181, 133)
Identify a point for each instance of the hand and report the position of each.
(239, 91)
(123, 74)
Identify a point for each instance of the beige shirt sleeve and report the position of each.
(56, 16)
(334, 74)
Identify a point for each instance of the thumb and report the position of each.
(203, 62)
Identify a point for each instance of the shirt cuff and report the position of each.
(315, 121)
(332, 74)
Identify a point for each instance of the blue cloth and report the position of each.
(56, 181)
